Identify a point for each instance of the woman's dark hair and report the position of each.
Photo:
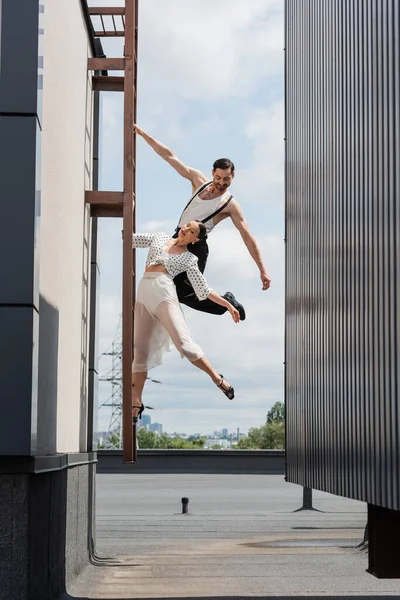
(202, 231)
(224, 163)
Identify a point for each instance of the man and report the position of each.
(211, 203)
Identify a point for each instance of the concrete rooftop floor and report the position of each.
(242, 538)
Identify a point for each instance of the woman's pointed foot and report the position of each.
(137, 410)
(226, 388)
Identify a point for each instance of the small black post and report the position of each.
(307, 500)
(185, 506)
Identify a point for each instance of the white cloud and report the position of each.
(230, 258)
(209, 49)
(257, 341)
(263, 180)
(152, 226)
(109, 313)
(201, 50)
(195, 57)
(111, 139)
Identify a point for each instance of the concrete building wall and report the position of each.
(47, 468)
(65, 227)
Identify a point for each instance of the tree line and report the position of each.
(270, 436)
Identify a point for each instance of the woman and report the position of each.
(158, 315)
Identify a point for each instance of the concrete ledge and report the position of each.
(254, 462)
(45, 464)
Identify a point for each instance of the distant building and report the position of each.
(156, 427)
(217, 441)
(224, 432)
(184, 436)
(145, 422)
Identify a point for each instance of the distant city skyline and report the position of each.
(203, 110)
(216, 434)
(147, 423)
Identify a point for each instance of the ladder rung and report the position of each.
(102, 83)
(106, 10)
(109, 212)
(110, 33)
(105, 204)
(106, 64)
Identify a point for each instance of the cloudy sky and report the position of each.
(210, 85)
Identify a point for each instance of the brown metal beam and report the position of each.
(105, 11)
(105, 204)
(128, 278)
(106, 64)
(110, 33)
(104, 83)
(108, 212)
(134, 103)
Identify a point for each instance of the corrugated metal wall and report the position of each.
(342, 247)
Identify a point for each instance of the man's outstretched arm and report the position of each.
(236, 214)
(193, 175)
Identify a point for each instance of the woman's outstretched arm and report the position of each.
(142, 240)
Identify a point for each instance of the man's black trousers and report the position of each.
(186, 293)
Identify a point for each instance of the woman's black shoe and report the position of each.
(139, 415)
(229, 392)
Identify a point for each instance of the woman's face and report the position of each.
(190, 232)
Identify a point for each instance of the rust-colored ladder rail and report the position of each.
(121, 204)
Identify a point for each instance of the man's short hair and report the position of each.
(224, 163)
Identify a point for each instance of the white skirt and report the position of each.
(158, 320)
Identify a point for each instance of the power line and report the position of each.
(114, 377)
(114, 401)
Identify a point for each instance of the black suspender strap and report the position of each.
(203, 187)
(218, 210)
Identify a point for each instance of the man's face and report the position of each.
(222, 179)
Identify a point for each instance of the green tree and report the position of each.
(270, 436)
(146, 438)
(245, 444)
(273, 435)
(114, 440)
(276, 413)
(149, 439)
(252, 441)
(180, 443)
(198, 443)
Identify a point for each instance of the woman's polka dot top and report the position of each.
(174, 263)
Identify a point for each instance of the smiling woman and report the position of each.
(158, 316)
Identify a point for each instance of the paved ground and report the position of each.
(241, 538)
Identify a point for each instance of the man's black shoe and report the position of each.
(232, 300)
